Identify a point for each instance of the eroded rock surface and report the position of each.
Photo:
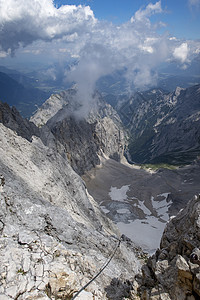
(174, 272)
(85, 137)
(12, 119)
(53, 237)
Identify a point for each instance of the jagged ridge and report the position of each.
(164, 127)
(84, 138)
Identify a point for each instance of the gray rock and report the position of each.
(177, 275)
(164, 126)
(12, 119)
(84, 137)
(54, 237)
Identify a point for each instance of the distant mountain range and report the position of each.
(163, 126)
(28, 90)
(169, 76)
(163, 122)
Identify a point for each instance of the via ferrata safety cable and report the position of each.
(100, 271)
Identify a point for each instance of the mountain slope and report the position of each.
(53, 236)
(11, 118)
(84, 137)
(164, 127)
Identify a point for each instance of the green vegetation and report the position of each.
(21, 271)
(155, 167)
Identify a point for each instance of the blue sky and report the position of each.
(102, 36)
(181, 16)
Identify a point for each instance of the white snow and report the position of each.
(119, 194)
(105, 210)
(123, 211)
(146, 233)
(162, 206)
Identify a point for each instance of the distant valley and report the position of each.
(19, 93)
(68, 194)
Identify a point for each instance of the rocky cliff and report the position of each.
(84, 137)
(12, 119)
(53, 236)
(164, 127)
(173, 272)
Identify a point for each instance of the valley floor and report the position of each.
(140, 202)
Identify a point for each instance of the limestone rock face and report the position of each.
(53, 236)
(173, 272)
(11, 118)
(52, 105)
(79, 141)
(85, 137)
(164, 127)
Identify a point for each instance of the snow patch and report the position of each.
(104, 209)
(119, 194)
(143, 207)
(146, 233)
(123, 211)
(162, 206)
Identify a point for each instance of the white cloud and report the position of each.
(33, 51)
(25, 21)
(101, 47)
(197, 51)
(50, 73)
(151, 9)
(194, 3)
(181, 53)
(3, 54)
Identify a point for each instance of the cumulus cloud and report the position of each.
(3, 54)
(151, 9)
(134, 46)
(194, 3)
(99, 47)
(181, 53)
(95, 60)
(25, 21)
